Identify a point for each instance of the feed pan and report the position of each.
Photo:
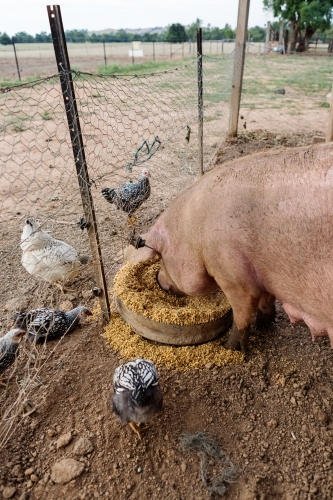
(167, 333)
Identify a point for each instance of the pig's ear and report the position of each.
(132, 255)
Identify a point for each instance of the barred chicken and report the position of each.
(48, 324)
(9, 344)
(47, 258)
(137, 395)
(130, 196)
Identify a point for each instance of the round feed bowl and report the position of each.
(168, 333)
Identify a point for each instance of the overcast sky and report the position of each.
(31, 15)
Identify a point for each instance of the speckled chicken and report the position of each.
(130, 196)
(48, 324)
(137, 395)
(50, 259)
(9, 344)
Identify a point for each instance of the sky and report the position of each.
(31, 15)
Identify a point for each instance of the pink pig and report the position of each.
(259, 228)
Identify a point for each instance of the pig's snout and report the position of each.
(165, 282)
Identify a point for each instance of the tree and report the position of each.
(4, 39)
(176, 33)
(305, 17)
(257, 34)
(192, 30)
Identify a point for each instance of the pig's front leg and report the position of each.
(244, 306)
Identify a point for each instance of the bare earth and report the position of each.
(271, 415)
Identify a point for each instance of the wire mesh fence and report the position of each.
(130, 125)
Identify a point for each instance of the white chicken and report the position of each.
(50, 259)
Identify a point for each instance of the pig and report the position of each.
(259, 228)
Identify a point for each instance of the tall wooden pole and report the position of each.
(237, 77)
(268, 36)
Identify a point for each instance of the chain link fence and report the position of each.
(128, 123)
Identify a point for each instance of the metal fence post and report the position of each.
(237, 77)
(104, 53)
(61, 53)
(200, 100)
(17, 64)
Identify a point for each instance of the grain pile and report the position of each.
(130, 345)
(137, 287)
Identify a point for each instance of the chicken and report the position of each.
(8, 349)
(130, 196)
(48, 324)
(50, 259)
(137, 395)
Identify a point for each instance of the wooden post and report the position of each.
(200, 100)
(281, 33)
(67, 87)
(329, 135)
(237, 77)
(268, 34)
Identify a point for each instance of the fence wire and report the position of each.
(128, 123)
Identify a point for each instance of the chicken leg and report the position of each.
(136, 429)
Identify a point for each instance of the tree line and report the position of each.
(175, 33)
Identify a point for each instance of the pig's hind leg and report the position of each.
(266, 310)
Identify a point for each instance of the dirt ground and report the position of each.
(271, 415)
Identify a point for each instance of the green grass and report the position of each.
(138, 69)
(301, 77)
(46, 115)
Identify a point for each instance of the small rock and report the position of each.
(17, 470)
(70, 296)
(83, 446)
(17, 304)
(67, 469)
(293, 401)
(164, 476)
(64, 440)
(139, 470)
(209, 366)
(272, 423)
(86, 294)
(183, 466)
(51, 432)
(66, 305)
(34, 478)
(166, 438)
(29, 471)
(39, 491)
(24, 495)
(9, 492)
(29, 484)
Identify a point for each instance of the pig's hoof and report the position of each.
(237, 340)
(232, 342)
